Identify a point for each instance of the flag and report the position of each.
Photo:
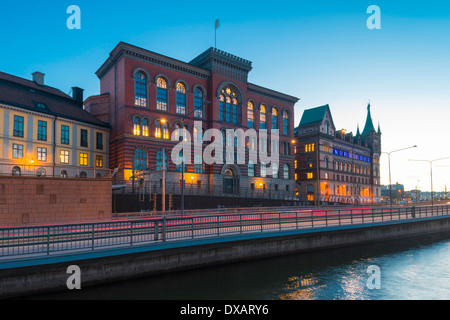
(217, 24)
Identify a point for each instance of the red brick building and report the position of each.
(145, 96)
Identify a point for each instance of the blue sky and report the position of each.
(319, 51)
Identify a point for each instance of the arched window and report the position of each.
(326, 162)
(327, 127)
(64, 174)
(181, 98)
(285, 123)
(250, 114)
(137, 126)
(275, 169)
(286, 171)
(274, 118)
(198, 103)
(159, 160)
(165, 130)
(177, 132)
(83, 174)
(140, 87)
(161, 94)
(262, 117)
(16, 171)
(157, 129)
(41, 172)
(145, 131)
(263, 169)
(229, 110)
(140, 159)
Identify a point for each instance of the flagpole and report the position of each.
(215, 33)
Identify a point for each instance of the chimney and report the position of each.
(38, 77)
(77, 94)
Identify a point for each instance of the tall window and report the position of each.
(83, 159)
(159, 160)
(161, 94)
(251, 169)
(99, 161)
(229, 110)
(250, 114)
(99, 141)
(285, 123)
(64, 157)
(275, 169)
(286, 171)
(137, 126)
(198, 165)
(165, 130)
(274, 118)
(145, 130)
(65, 134)
(83, 138)
(198, 103)
(42, 154)
(17, 151)
(181, 98)
(182, 161)
(263, 168)
(157, 129)
(18, 126)
(140, 86)
(140, 159)
(42, 130)
(262, 117)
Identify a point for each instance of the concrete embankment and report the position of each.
(43, 274)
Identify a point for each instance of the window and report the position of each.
(198, 165)
(326, 162)
(250, 114)
(263, 170)
(228, 106)
(140, 86)
(157, 129)
(275, 170)
(140, 159)
(309, 163)
(159, 160)
(309, 147)
(161, 94)
(309, 175)
(17, 151)
(99, 141)
(83, 138)
(165, 130)
(145, 130)
(181, 98)
(64, 174)
(83, 159)
(64, 134)
(83, 174)
(198, 103)
(285, 123)
(181, 161)
(42, 130)
(64, 156)
(16, 171)
(18, 126)
(274, 118)
(251, 169)
(42, 154)
(262, 117)
(286, 171)
(99, 161)
(40, 172)
(137, 126)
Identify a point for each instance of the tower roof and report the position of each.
(369, 123)
(313, 115)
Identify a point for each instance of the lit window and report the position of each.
(145, 131)
(274, 118)
(42, 154)
(161, 94)
(262, 117)
(309, 175)
(250, 114)
(99, 161)
(285, 123)
(140, 90)
(137, 126)
(181, 99)
(309, 147)
(64, 156)
(228, 106)
(157, 129)
(83, 159)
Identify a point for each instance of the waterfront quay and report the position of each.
(35, 259)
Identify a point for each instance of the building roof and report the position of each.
(29, 95)
(314, 115)
(369, 123)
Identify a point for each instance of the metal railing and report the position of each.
(46, 240)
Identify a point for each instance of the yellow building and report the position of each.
(45, 132)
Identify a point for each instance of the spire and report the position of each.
(357, 131)
(369, 123)
(379, 130)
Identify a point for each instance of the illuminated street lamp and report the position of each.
(389, 162)
(431, 173)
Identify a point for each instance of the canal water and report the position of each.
(408, 269)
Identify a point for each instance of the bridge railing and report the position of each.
(59, 239)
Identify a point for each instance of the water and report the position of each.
(410, 269)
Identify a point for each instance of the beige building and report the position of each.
(45, 132)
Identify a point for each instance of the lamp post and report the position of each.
(431, 173)
(182, 148)
(389, 163)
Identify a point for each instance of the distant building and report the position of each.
(333, 166)
(45, 132)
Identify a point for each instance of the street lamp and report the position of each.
(431, 173)
(389, 163)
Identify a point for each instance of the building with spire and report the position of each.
(335, 166)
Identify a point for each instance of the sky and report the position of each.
(319, 51)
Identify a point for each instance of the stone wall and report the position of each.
(31, 201)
